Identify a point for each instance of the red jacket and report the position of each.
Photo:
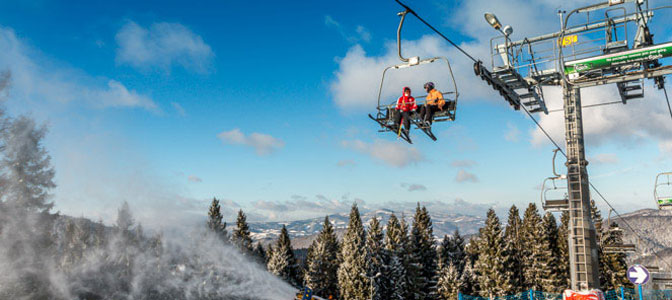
(406, 103)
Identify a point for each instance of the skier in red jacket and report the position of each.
(405, 106)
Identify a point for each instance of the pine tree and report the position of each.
(282, 262)
(512, 253)
(421, 260)
(614, 264)
(452, 252)
(597, 219)
(563, 247)
(490, 264)
(322, 266)
(596, 215)
(260, 253)
(215, 219)
(27, 175)
(552, 280)
(469, 280)
(377, 259)
(352, 280)
(424, 248)
(124, 218)
(531, 233)
(411, 263)
(449, 284)
(241, 235)
(269, 253)
(395, 244)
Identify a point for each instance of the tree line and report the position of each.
(401, 261)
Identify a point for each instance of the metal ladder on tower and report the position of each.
(584, 271)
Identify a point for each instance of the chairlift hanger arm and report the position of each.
(410, 10)
(401, 24)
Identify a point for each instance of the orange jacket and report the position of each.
(435, 98)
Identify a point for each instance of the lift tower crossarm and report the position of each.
(573, 30)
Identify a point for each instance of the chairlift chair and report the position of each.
(662, 191)
(386, 112)
(549, 198)
(615, 247)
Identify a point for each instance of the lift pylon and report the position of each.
(609, 42)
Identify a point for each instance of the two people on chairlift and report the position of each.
(406, 106)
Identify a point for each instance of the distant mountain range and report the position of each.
(303, 232)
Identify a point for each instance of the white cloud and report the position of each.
(346, 163)
(637, 122)
(35, 80)
(194, 178)
(391, 153)
(604, 158)
(361, 34)
(512, 133)
(464, 176)
(263, 144)
(179, 109)
(412, 187)
(162, 45)
(467, 163)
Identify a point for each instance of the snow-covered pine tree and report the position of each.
(552, 280)
(124, 218)
(322, 268)
(597, 219)
(395, 244)
(531, 249)
(469, 280)
(490, 263)
(260, 253)
(241, 235)
(452, 252)
(269, 253)
(596, 215)
(449, 284)
(377, 259)
(512, 253)
(614, 264)
(563, 247)
(443, 249)
(411, 262)
(27, 175)
(215, 219)
(310, 258)
(352, 280)
(424, 254)
(282, 262)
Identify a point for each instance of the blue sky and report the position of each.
(166, 104)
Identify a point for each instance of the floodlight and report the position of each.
(492, 20)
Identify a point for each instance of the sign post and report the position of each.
(639, 275)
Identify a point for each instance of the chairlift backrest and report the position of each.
(662, 191)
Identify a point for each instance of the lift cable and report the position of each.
(435, 30)
(668, 101)
(639, 237)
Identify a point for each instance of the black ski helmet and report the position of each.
(429, 85)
